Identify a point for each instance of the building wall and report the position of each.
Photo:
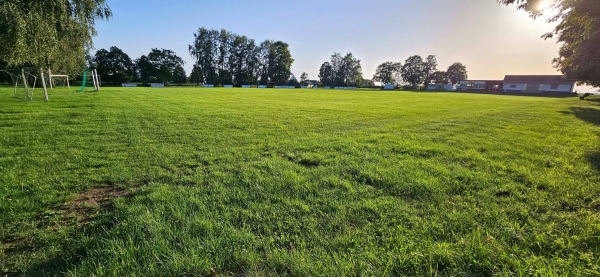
(472, 85)
(561, 88)
(565, 87)
(446, 87)
(514, 86)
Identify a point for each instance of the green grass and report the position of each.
(297, 182)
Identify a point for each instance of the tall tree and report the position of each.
(224, 66)
(160, 66)
(430, 66)
(578, 31)
(114, 65)
(264, 50)
(205, 51)
(413, 70)
(326, 74)
(457, 72)
(53, 34)
(280, 62)
(388, 73)
(352, 70)
(341, 70)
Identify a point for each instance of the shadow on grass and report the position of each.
(589, 115)
(595, 161)
(595, 100)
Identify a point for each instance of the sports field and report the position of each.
(265, 182)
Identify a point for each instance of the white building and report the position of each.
(538, 83)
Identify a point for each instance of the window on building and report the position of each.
(513, 86)
(554, 86)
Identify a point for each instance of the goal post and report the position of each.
(26, 76)
(50, 76)
(93, 73)
(44, 83)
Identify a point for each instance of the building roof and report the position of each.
(537, 79)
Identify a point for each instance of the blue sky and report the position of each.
(491, 40)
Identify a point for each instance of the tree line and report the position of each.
(220, 57)
(347, 71)
(159, 66)
(418, 71)
(223, 57)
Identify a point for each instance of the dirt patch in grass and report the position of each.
(82, 210)
(88, 204)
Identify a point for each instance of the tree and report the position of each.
(303, 78)
(196, 77)
(413, 70)
(578, 31)
(440, 77)
(243, 60)
(160, 66)
(53, 34)
(205, 51)
(179, 76)
(340, 70)
(351, 70)
(430, 66)
(5, 77)
(326, 74)
(457, 72)
(279, 63)
(388, 73)
(114, 65)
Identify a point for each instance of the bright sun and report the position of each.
(544, 4)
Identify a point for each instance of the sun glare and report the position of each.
(544, 4)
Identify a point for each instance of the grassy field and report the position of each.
(201, 182)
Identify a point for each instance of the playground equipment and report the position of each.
(94, 74)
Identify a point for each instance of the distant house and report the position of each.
(538, 83)
(480, 85)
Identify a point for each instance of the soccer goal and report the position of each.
(14, 77)
(23, 76)
(51, 78)
(93, 75)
